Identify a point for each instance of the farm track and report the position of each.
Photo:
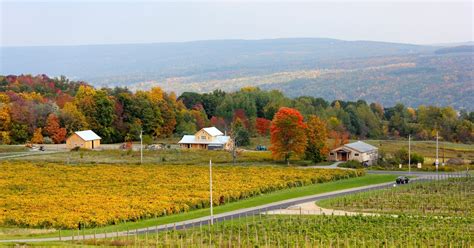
(241, 212)
(24, 154)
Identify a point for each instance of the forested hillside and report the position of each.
(39, 108)
(383, 72)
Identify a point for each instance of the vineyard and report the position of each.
(452, 197)
(312, 231)
(60, 196)
(414, 226)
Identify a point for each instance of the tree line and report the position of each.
(41, 109)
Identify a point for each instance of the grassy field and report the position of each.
(9, 232)
(247, 157)
(159, 157)
(12, 148)
(452, 197)
(427, 149)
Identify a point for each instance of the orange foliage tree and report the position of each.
(54, 130)
(317, 134)
(263, 126)
(288, 134)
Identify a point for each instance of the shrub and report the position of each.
(417, 158)
(47, 140)
(147, 140)
(351, 164)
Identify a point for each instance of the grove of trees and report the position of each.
(35, 108)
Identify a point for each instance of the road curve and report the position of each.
(223, 216)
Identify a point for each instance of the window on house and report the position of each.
(332, 153)
(356, 154)
(203, 137)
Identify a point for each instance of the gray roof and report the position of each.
(88, 135)
(361, 146)
(191, 139)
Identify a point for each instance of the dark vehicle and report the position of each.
(402, 180)
(41, 148)
(261, 148)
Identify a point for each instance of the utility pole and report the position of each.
(210, 191)
(141, 146)
(409, 154)
(436, 161)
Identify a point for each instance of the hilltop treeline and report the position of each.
(39, 108)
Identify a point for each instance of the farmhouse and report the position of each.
(359, 151)
(84, 139)
(209, 138)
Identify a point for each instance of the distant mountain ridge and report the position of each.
(289, 65)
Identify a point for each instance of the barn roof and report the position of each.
(213, 131)
(361, 146)
(88, 135)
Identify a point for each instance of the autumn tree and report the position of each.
(218, 122)
(263, 126)
(288, 134)
(73, 119)
(337, 132)
(54, 130)
(317, 134)
(37, 137)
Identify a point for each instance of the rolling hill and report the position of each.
(329, 68)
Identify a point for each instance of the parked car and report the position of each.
(261, 148)
(402, 180)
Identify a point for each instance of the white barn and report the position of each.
(359, 151)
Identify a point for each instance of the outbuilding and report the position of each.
(83, 139)
(359, 151)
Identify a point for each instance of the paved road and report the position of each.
(217, 218)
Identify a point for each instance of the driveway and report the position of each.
(332, 166)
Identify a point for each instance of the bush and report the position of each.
(401, 157)
(351, 164)
(147, 139)
(47, 140)
(417, 158)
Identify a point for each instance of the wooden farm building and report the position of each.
(359, 151)
(83, 139)
(209, 138)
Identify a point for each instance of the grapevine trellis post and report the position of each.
(210, 190)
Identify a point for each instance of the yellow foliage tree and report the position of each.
(37, 137)
(317, 135)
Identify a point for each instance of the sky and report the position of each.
(36, 23)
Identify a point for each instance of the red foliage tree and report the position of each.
(288, 134)
(218, 122)
(54, 130)
(240, 114)
(263, 126)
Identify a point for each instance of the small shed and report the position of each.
(83, 139)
